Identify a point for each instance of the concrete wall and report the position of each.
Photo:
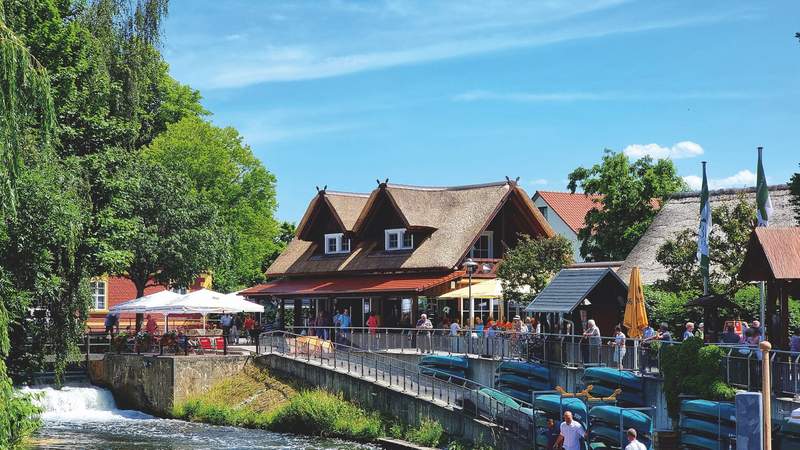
(377, 397)
(154, 384)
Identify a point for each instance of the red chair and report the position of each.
(219, 343)
(205, 344)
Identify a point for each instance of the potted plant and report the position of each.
(143, 341)
(120, 343)
(169, 341)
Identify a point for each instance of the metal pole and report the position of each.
(765, 394)
(762, 298)
(471, 303)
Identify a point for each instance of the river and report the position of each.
(86, 417)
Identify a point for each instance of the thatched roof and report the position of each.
(682, 212)
(454, 217)
(345, 207)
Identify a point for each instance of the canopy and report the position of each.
(635, 312)
(146, 303)
(483, 289)
(206, 301)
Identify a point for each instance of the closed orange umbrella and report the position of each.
(635, 312)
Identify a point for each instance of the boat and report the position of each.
(525, 369)
(523, 383)
(442, 372)
(613, 377)
(554, 404)
(700, 442)
(445, 361)
(706, 409)
(610, 415)
(629, 397)
(524, 396)
(500, 397)
(707, 428)
(790, 427)
(612, 435)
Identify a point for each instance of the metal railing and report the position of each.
(468, 396)
(742, 366)
(568, 350)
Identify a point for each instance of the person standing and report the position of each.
(633, 443)
(689, 332)
(424, 327)
(571, 433)
(730, 336)
(619, 346)
(110, 322)
(663, 333)
(372, 324)
(344, 326)
(234, 336)
(225, 321)
(151, 327)
(592, 334)
(249, 327)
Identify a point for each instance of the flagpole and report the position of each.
(763, 211)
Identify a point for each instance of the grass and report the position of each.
(429, 433)
(321, 413)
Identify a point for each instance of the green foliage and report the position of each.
(626, 208)
(156, 227)
(692, 369)
(670, 308)
(527, 268)
(429, 433)
(794, 189)
(320, 413)
(225, 172)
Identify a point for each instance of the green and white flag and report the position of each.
(705, 230)
(763, 202)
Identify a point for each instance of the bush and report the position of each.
(693, 369)
(428, 434)
(323, 414)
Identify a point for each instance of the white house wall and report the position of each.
(561, 227)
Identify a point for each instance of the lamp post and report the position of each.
(469, 266)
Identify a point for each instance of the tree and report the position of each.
(730, 233)
(527, 268)
(794, 189)
(631, 195)
(156, 229)
(224, 170)
(24, 98)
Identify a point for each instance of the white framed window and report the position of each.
(398, 239)
(484, 246)
(98, 289)
(336, 243)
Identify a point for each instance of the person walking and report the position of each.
(424, 327)
(571, 433)
(633, 443)
(619, 346)
(372, 324)
(226, 321)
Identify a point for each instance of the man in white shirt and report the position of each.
(571, 433)
(634, 444)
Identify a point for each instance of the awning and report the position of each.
(482, 289)
(206, 301)
(570, 287)
(368, 284)
(146, 303)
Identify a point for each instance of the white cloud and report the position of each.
(341, 37)
(742, 178)
(539, 97)
(539, 182)
(683, 149)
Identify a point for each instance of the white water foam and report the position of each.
(81, 404)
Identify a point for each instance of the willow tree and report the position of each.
(25, 100)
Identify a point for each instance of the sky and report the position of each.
(342, 93)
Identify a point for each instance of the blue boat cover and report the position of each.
(523, 383)
(609, 414)
(695, 441)
(445, 360)
(709, 409)
(526, 369)
(613, 377)
(707, 428)
(790, 428)
(551, 404)
(442, 372)
(500, 397)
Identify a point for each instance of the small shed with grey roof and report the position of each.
(584, 293)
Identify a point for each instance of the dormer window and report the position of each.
(484, 246)
(398, 239)
(336, 243)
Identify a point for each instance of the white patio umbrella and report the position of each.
(206, 301)
(148, 303)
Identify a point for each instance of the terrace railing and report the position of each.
(462, 394)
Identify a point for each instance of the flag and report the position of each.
(705, 230)
(763, 202)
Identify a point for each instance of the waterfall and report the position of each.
(80, 404)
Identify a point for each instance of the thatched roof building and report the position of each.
(682, 212)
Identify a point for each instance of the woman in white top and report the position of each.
(619, 346)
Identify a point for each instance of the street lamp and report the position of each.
(469, 266)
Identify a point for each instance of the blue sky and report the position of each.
(341, 93)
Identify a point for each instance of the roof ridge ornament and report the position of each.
(321, 191)
(511, 182)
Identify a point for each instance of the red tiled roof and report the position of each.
(344, 285)
(572, 208)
